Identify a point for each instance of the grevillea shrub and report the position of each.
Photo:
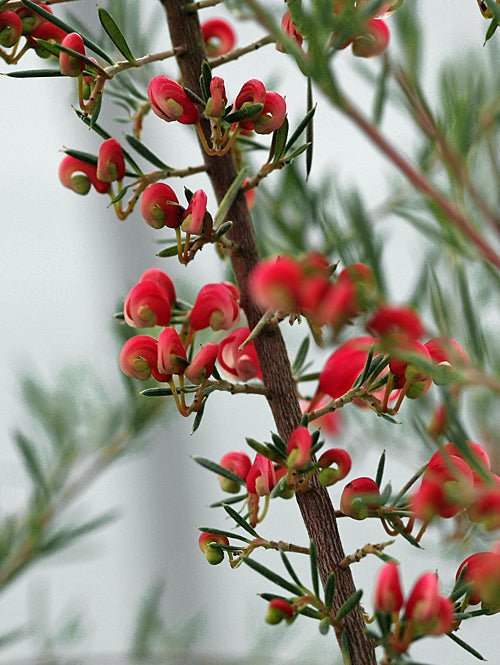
(404, 371)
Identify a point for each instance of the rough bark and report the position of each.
(315, 505)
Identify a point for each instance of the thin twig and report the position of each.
(243, 50)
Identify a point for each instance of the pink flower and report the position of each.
(147, 305)
(11, 29)
(359, 497)
(78, 176)
(216, 307)
(170, 102)
(373, 41)
(219, 37)
(388, 592)
(193, 216)
(110, 162)
(299, 448)
(68, 64)
(272, 115)
(160, 206)
(261, 477)
(235, 364)
(342, 461)
(171, 354)
(202, 366)
(139, 358)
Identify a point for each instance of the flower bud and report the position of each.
(289, 29)
(391, 319)
(216, 105)
(214, 556)
(359, 497)
(279, 609)
(239, 463)
(388, 592)
(235, 364)
(68, 64)
(299, 448)
(261, 477)
(344, 365)
(422, 604)
(193, 216)
(373, 41)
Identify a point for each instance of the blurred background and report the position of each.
(67, 262)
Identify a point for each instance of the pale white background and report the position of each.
(65, 262)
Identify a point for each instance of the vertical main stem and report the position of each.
(315, 505)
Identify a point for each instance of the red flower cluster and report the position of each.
(457, 481)
(426, 611)
(79, 176)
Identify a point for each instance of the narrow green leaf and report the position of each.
(169, 251)
(309, 130)
(67, 28)
(290, 569)
(475, 335)
(380, 469)
(218, 469)
(264, 450)
(273, 577)
(220, 532)
(366, 369)
(301, 355)
(295, 153)
(199, 416)
(240, 520)
(121, 194)
(324, 625)
(82, 156)
(7, 639)
(224, 228)
(279, 488)
(381, 94)
(228, 500)
(278, 442)
(157, 392)
(114, 33)
(491, 29)
(349, 605)
(280, 141)
(300, 128)
(346, 648)
(205, 80)
(31, 461)
(146, 152)
(313, 556)
(34, 73)
(465, 646)
(246, 113)
(229, 197)
(330, 587)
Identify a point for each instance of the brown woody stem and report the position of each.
(315, 505)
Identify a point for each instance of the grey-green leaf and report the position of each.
(115, 34)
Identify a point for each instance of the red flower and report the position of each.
(299, 448)
(11, 29)
(202, 366)
(216, 307)
(393, 319)
(163, 280)
(272, 115)
(139, 358)
(342, 461)
(279, 609)
(239, 463)
(170, 102)
(344, 365)
(193, 216)
(261, 477)
(214, 556)
(47, 31)
(110, 162)
(29, 19)
(275, 284)
(289, 29)
(219, 37)
(78, 176)
(160, 206)
(216, 105)
(147, 305)
(171, 354)
(235, 364)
